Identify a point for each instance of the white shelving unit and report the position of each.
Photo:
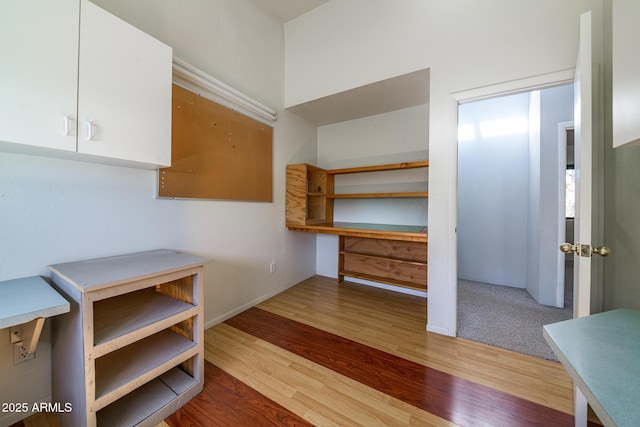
(130, 352)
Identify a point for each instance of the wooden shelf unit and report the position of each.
(380, 253)
(131, 351)
(307, 189)
(397, 262)
(310, 190)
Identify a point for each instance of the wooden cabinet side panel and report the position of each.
(296, 203)
(341, 242)
(180, 289)
(330, 184)
(414, 251)
(186, 289)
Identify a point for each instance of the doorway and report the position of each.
(566, 145)
(509, 224)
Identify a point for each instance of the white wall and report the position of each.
(534, 199)
(54, 211)
(556, 106)
(493, 192)
(466, 44)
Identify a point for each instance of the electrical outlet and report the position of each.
(20, 353)
(272, 267)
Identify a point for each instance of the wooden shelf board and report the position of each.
(406, 194)
(147, 400)
(121, 315)
(122, 371)
(372, 278)
(137, 405)
(315, 222)
(376, 168)
(364, 230)
(383, 258)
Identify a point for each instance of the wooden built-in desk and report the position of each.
(392, 254)
(601, 353)
(409, 233)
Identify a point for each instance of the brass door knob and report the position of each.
(585, 250)
(568, 248)
(601, 250)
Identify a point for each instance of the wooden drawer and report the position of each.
(396, 272)
(395, 262)
(398, 249)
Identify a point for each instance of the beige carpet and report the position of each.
(505, 317)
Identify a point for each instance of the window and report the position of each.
(570, 191)
(570, 177)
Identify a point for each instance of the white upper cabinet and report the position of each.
(124, 102)
(80, 83)
(39, 73)
(626, 72)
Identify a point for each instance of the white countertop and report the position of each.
(25, 299)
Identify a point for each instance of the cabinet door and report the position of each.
(124, 103)
(626, 72)
(39, 72)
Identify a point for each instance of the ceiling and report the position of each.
(286, 10)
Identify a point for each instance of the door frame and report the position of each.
(563, 127)
(528, 84)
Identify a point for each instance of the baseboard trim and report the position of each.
(219, 319)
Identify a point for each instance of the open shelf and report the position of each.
(144, 359)
(311, 192)
(380, 168)
(407, 194)
(132, 313)
(143, 403)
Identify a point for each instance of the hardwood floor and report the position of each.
(348, 355)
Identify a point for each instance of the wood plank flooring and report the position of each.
(350, 355)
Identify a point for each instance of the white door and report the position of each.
(583, 169)
(124, 101)
(584, 148)
(39, 72)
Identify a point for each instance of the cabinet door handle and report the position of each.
(68, 125)
(88, 130)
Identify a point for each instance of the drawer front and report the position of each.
(413, 251)
(389, 269)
